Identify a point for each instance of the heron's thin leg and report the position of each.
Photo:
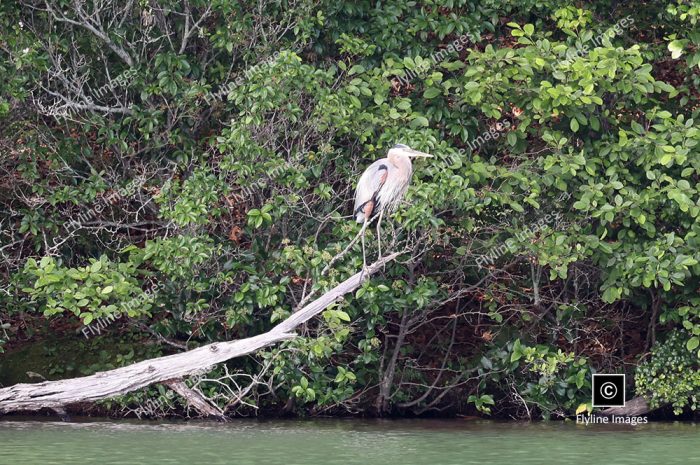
(346, 249)
(379, 236)
(364, 256)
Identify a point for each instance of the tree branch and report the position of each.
(103, 385)
(121, 53)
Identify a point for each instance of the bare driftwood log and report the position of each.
(633, 408)
(106, 384)
(195, 399)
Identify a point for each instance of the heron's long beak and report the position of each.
(416, 153)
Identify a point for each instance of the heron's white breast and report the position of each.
(396, 184)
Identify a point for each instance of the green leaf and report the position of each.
(623, 137)
(419, 121)
(357, 69)
(573, 124)
(676, 49)
(432, 92)
(581, 204)
(666, 158)
(693, 343)
(517, 351)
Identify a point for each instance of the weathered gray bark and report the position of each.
(195, 399)
(103, 385)
(633, 408)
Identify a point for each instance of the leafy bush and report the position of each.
(545, 381)
(671, 375)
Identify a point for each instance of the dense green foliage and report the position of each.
(184, 171)
(671, 376)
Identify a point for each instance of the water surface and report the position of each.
(346, 442)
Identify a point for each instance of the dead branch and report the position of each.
(195, 399)
(103, 385)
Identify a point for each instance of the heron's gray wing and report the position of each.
(369, 184)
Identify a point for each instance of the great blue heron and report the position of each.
(381, 188)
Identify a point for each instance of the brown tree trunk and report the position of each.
(387, 382)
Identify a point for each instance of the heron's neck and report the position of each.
(401, 162)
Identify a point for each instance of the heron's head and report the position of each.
(405, 150)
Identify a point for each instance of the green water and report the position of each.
(329, 442)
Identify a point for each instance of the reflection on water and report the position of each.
(345, 442)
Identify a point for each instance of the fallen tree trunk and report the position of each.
(103, 385)
(633, 408)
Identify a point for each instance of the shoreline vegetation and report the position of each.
(177, 179)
